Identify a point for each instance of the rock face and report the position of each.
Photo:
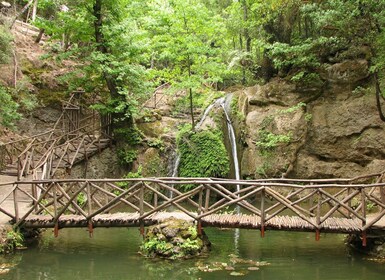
(375, 246)
(174, 239)
(332, 132)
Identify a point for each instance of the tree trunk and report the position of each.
(191, 96)
(378, 97)
(38, 38)
(101, 47)
(34, 11)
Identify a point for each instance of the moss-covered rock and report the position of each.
(375, 246)
(203, 154)
(174, 239)
(10, 240)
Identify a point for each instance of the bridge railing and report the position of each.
(319, 205)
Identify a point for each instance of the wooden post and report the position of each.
(318, 217)
(207, 202)
(89, 199)
(311, 202)
(200, 207)
(382, 193)
(34, 195)
(55, 201)
(141, 208)
(18, 168)
(349, 203)
(56, 228)
(263, 213)
(363, 203)
(155, 200)
(89, 204)
(16, 204)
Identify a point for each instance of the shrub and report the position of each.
(8, 109)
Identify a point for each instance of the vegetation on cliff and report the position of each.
(124, 49)
(202, 154)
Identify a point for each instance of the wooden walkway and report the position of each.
(77, 135)
(336, 206)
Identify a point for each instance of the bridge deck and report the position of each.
(287, 223)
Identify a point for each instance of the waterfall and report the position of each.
(197, 126)
(233, 141)
(224, 103)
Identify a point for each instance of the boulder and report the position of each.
(174, 242)
(348, 71)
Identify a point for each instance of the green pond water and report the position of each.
(112, 254)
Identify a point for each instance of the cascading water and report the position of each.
(225, 104)
(233, 143)
(197, 126)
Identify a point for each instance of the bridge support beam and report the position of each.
(317, 235)
(56, 230)
(90, 229)
(199, 227)
(364, 239)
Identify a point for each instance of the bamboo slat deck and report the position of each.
(285, 223)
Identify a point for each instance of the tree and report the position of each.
(102, 37)
(186, 42)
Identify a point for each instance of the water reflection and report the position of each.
(112, 254)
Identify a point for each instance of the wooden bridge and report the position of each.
(334, 206)
(77, 134)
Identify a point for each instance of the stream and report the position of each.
(291, 255)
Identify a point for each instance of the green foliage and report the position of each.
(268, 140)
(203, 154)
(127, 155)
(10, 241)
(155, 244)
(81, 199)
(156, 143)
(137, 174)
(8, 109)
(5, 44)
(293, 108)
(190, 246)
(129, 135)
(235, 111)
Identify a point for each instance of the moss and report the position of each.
(50, 97)
(203, 154)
